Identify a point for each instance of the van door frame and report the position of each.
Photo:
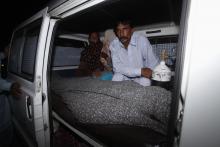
(73, 6)
(201, 82)
(47, 108)
(64, 11)
(33, 89)
(56, 14)
(177, 105)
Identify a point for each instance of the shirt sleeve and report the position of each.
(150, 59)
(4, 85)
(119, 67)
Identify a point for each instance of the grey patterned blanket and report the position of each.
(94, 101)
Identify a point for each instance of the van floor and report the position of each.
(65, 138)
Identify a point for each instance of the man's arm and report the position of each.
(150, 59)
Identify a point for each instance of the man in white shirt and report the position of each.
(132, 55)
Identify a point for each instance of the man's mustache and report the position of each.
(123, 38)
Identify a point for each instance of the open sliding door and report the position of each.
(26, 67)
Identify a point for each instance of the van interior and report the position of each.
(159, 21)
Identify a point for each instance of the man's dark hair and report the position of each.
(124, 22)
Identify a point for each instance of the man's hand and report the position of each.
(146, 72)
(15, 90)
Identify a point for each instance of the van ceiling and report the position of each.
(140, 12)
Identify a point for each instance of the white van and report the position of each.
(50, 43)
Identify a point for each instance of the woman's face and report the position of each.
(94, 37)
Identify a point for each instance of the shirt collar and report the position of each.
(133, 40)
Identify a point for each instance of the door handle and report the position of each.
(28, 107)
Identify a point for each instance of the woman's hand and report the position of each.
(103, 61)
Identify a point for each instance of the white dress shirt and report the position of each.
(127, 63)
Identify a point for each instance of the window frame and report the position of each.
(35, 24)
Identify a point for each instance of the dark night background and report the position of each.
(15, 12)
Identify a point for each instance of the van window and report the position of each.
(15, 52)
(29, 51)
(67, 52)
(23, 50)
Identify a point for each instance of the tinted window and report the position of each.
(23, 50)
(67, 52)
(29, 51)
(15, 52)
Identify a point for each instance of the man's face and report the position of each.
(94, 38)
(124, 33)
